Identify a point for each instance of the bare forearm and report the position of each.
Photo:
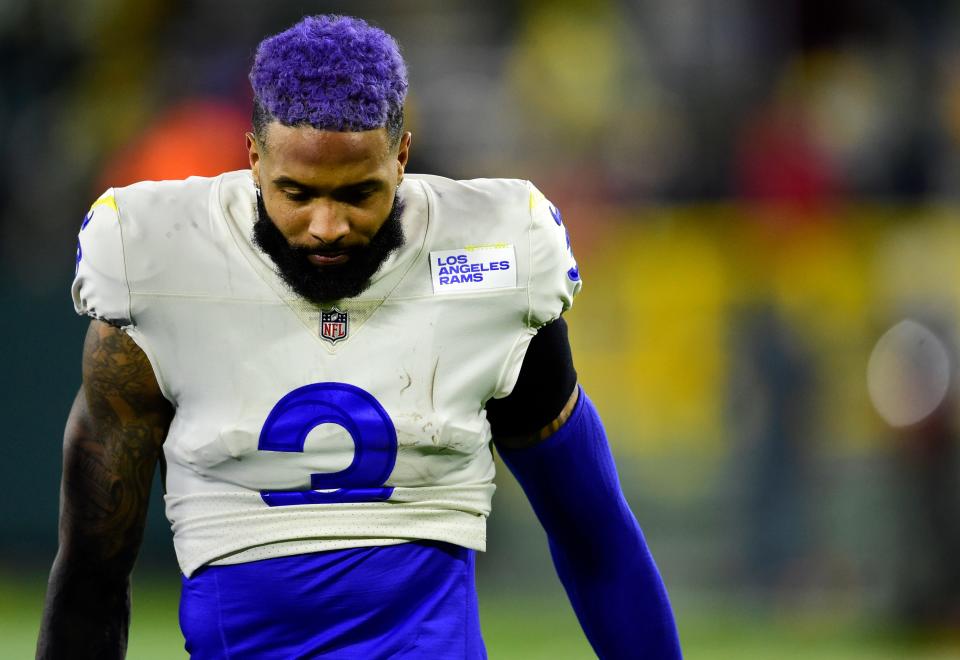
(86, 614)
(87, 608)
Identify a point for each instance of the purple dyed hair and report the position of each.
(331, 72)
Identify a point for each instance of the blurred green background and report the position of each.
(757, 192)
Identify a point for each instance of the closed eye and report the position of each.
(296, 195)
(356, 194)
(357, 197)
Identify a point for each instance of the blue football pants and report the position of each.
(413, 600)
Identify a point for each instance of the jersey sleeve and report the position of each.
(554, 276)
(100, 287)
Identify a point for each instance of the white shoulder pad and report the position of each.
(100, 285)
(554, 276)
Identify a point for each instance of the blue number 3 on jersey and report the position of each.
(361, 415)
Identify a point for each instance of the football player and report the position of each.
(318, 352)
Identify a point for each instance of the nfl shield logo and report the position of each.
(333, 325)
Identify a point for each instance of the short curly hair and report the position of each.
(330, 72)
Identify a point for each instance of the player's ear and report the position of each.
(253, 153)
(403, 153)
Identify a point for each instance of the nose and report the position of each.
(328, 221)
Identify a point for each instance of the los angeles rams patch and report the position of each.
(474, 268)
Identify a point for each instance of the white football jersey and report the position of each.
(298, 428)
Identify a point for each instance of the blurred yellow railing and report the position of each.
(656, 329)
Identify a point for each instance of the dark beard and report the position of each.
(322, 285)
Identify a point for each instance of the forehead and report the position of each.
(317, 156)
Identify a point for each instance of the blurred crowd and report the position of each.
(604, 103)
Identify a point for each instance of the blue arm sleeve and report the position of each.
(597, 546)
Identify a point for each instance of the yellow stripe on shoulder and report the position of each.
(536, 197)
(106, 200)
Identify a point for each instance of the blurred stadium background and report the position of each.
(756, 191)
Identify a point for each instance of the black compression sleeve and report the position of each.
(546, 380)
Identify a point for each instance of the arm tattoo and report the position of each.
(111, 446)
(108, 470)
